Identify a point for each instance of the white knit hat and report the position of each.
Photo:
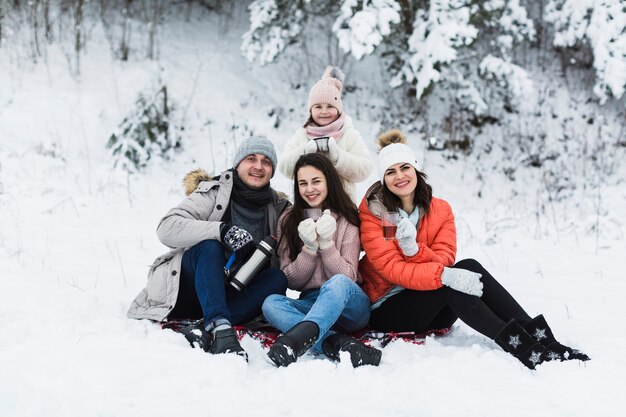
(394, 151)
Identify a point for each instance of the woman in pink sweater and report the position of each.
(320, 258)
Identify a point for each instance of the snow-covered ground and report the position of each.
(76, 238)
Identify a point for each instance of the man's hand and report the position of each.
(237, 239)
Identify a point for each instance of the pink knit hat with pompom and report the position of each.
(328, 89)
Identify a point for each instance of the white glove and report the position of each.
(308, 235)
(462, 280)
(310, 146)
(326, 226)
(333, 150)
(406, 234)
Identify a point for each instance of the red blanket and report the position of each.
(267, 335)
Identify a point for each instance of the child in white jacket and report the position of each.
(344, 147)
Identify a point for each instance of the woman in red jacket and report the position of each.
(413, 282)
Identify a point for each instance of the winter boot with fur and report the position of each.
(293, 343)
(512, 338)
(539, 329)
(360, 353)
(226, 341)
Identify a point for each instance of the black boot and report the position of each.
(539, 329)
(293, 343)
(513, 339)
(360, 353)
(226, 341)
(197, 337)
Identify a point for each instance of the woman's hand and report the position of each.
(406, 234)
(308, 235)
(462, 280)
(326, 226)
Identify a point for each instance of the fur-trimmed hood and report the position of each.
(196, 218)
(194, 178)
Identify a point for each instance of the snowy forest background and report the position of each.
(517, 108)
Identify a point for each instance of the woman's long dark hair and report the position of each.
(337, 200)
(421, 198)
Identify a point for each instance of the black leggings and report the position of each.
(412, 310)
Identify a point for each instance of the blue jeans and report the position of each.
(339, 304)
(204, 292)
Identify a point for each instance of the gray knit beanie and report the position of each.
(256, 144)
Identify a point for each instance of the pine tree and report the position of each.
(145, 133)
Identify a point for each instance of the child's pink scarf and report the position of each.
(334, 129)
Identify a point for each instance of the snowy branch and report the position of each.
(360, 32)
(601, 24)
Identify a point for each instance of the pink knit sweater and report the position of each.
(309, 271)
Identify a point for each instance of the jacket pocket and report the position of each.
(158, 276)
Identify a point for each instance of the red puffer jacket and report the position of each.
(384, 265)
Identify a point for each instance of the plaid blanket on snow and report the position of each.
(266, 335)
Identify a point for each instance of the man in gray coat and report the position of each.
(220, 216)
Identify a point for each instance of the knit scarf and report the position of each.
(334, 129)
(248, 197)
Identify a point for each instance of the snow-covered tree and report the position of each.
(602, 25)
(1, 23)
(447, 26)
(437, 34)
(508, 75)
(274, 24)
(417, 39)
(145, 133)
(510, 25)
(360, 31)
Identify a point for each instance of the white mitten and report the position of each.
(406, 234)
(310, 146)
(326, 226)
(462, 280)
(308, 235)
(333, 150)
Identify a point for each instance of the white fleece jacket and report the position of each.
(354, 162)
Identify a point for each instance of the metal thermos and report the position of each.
(263, 253)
